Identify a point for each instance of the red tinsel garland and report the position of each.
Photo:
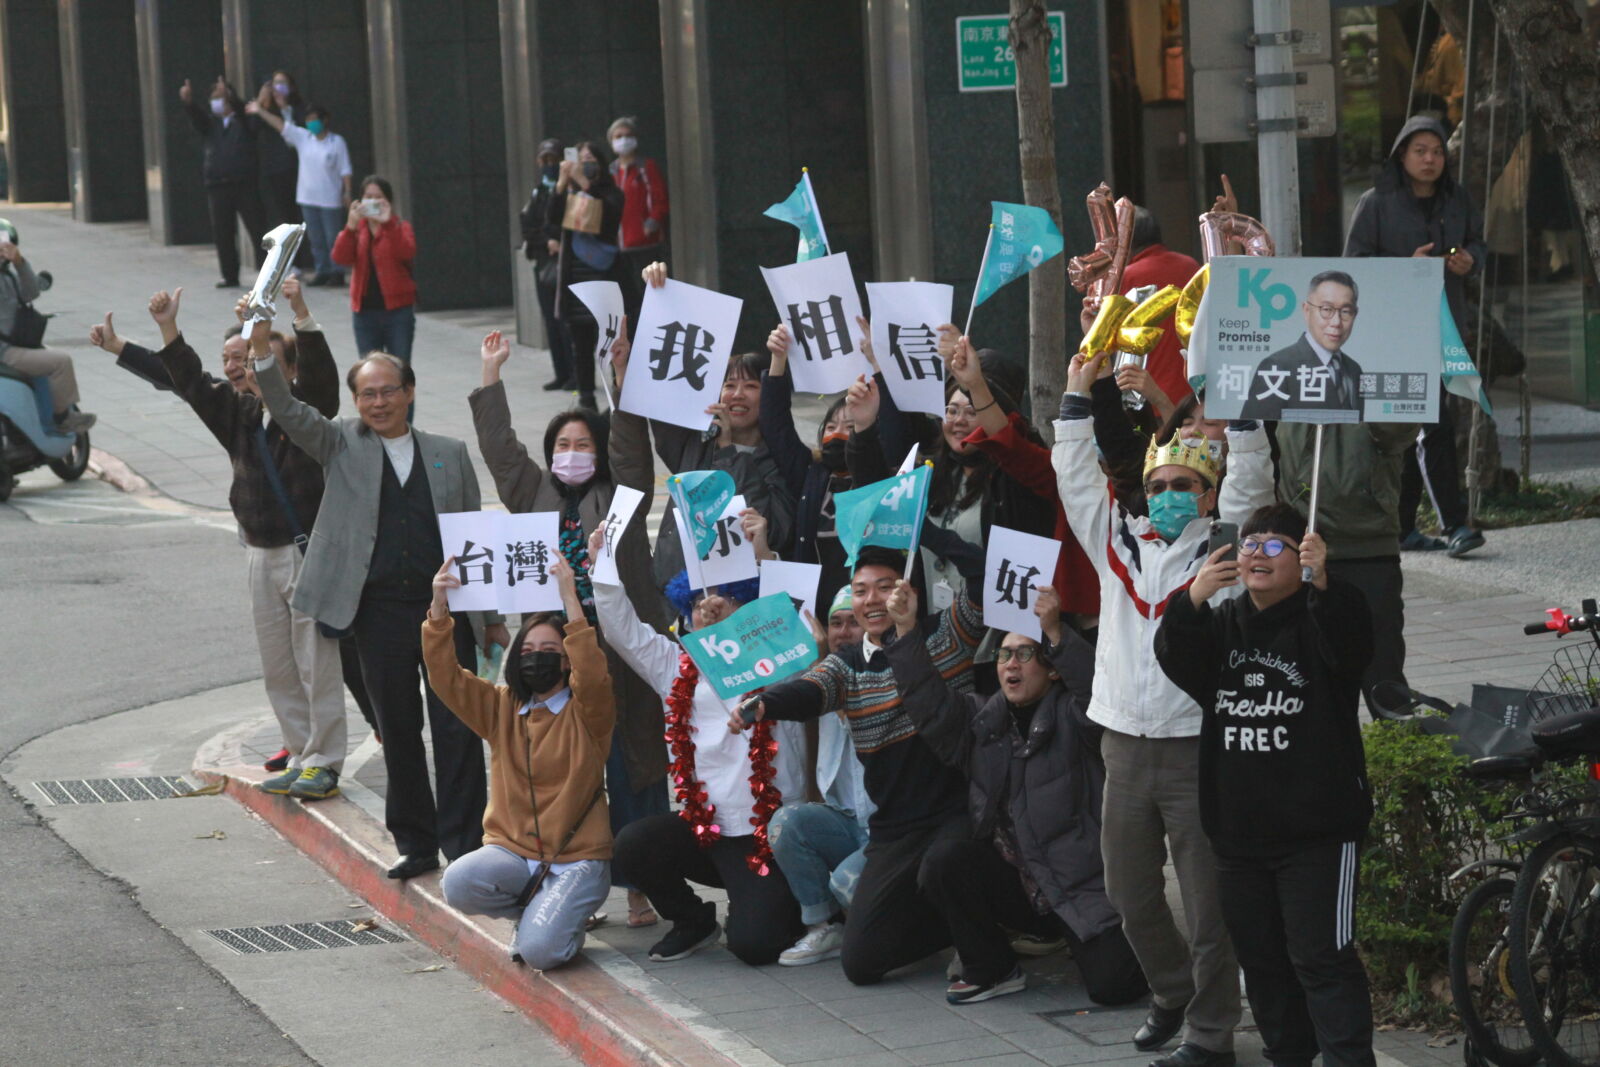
(698, 811)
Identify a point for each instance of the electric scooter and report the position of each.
(28, 437)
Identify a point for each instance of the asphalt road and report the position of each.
(109, 606)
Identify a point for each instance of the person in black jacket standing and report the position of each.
(231, 175)
(1032, 756)
(587, 254)
(1284, 796)
(541, 246)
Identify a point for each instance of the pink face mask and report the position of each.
(573, 468)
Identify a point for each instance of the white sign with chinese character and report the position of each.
(1016, 565)
(680, 353)
(798, 580)
(817, 301)
(604, 301)
(502, 560)
(1321, 339)
(624, 502)
(732, 558)
(906, 317)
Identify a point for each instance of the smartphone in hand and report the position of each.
(1224, 534)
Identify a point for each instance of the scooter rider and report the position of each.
(19, 286)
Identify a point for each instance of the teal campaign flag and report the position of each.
(1020, 238)
(702, 497)
(800, 211)
(887, 513)
(1460, 374)
(763, 642)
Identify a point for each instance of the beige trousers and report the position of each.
(300, 667)
(48, 363)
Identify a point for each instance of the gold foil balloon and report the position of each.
(1139, 333)
(1189, 304)
(1102, 335)
(1098, 273)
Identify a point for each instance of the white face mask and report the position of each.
(1213, 447)
(573, 468)
(217, 104)
(624, 146)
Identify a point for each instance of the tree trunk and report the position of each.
(1036, 142)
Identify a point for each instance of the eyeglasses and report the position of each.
(1329, 312)
(960, 412)
(1177, 485)
(367, 396)
(1024, 654)
(1271, 547)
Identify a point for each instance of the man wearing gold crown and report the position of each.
(1151, 743)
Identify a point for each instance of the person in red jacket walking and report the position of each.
(644, 212)
(378, 245)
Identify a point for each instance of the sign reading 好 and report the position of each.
(985, 61)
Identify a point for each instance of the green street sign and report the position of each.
(984, 57)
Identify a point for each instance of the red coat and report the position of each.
(646, 198)
(1029, 465)
(1158, 265)
(392, 250)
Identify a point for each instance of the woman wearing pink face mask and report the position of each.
(576, 482)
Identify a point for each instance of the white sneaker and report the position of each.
(821, 942)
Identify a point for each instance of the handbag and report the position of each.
(582, 213)
(536, 880)
(27, 329)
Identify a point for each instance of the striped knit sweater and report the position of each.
(911, 786)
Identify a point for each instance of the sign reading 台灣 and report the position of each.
(817, 301)
(1320, 339)
(502, 560)
(1016, 564)
(763, 642)
(985, 61)
(906, 317)
(680, 353)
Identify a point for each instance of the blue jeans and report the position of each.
(816, 846)
(322, 228)
(385, 331)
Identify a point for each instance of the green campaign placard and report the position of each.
(984, 58)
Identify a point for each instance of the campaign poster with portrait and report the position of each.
(1329, 340)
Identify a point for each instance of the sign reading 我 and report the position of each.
(985, 61)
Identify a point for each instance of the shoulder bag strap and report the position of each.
(270, 468)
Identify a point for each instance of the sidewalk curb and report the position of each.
(597, 1017)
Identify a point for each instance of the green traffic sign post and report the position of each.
(984, 58)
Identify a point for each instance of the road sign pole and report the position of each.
(1277, 125)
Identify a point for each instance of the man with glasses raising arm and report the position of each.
(1314, 373)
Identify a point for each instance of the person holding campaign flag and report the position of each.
(1284, 795)
(578, 482)
(1151, 727)
(728, 786)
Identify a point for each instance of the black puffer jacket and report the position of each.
(1050, 784)
(1390, 221)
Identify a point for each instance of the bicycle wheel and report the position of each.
(1555, 950)
(1480, 981)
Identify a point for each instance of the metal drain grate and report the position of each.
(302, 937)
(113, 790)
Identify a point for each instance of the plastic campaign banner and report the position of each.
(1460, 373)
(1020, 238)
(798, 581)
(503, 560)
(624, 502)
(680, 353)
(817, 300)
(906, 317)
(702, 497)
(887, 513)
(604, 301)
(1016, 564)
(732, 558)
(1322, 339)
(763, 642)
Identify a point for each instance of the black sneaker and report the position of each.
(559, 385)
(962, 991)
(685, 939)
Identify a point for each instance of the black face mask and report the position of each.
(540, 672)
(591, 171)
(833, 455)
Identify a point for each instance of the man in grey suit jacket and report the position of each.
(369, 568)
(1314, 373)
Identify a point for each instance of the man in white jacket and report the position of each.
(1151, 743)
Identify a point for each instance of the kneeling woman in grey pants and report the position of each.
(546, 855)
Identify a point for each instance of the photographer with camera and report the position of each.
(379, 246)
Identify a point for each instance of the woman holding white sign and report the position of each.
(587, 205)
(578, 483)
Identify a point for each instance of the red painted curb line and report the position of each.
(587, 1010)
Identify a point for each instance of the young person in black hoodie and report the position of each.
(1283, 783)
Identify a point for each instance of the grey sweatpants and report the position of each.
(1153, 798)
(550, 930)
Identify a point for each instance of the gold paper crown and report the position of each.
(1196, 457)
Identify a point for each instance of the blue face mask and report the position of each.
(315, 127)
(1171, 511)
